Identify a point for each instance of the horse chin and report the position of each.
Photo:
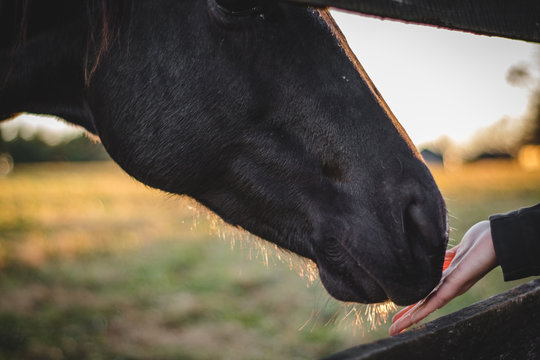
(349, 282)
(360, 287)
(366, 290)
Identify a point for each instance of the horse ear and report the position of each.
(237, 6)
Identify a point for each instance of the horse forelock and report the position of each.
(104, 17)
(23, 18)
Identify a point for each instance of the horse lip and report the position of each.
(354, 282)
(360, 286)
(362, 290)
(359, 265)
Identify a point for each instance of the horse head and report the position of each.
(260, 111)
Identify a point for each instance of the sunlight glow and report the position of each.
(354, 316)
(258, 249)
(50, 128)
(529, 157)
(374, 314)
(349, 315)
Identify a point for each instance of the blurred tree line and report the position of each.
(36, 149)
(505, 138)
(522, 76)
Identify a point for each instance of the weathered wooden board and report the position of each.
(505, 326)
(515, 19)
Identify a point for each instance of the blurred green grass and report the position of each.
(94, 265)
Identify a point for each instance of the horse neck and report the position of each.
(44, 72)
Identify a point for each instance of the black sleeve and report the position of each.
(516, 238)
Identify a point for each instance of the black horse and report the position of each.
(258, 110)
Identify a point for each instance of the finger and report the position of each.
(459, 274)
(439, 297)
(402, 312)
(414, 311)
(448, 257)
(405, 314)
(412, 316)
(435, 301)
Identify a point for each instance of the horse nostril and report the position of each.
(419, 228)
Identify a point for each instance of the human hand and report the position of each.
(465, 264)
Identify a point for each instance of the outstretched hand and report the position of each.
(465, 264)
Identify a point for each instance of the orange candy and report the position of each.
(448, 257)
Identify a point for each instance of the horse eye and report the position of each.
(239, 7)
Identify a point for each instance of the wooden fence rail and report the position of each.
(505, 326)
(515, 19)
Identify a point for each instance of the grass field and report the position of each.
(94, 265)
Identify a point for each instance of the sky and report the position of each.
(437, 82)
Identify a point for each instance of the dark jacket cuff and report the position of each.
(516, 239)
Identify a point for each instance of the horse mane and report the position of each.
(103, 18)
